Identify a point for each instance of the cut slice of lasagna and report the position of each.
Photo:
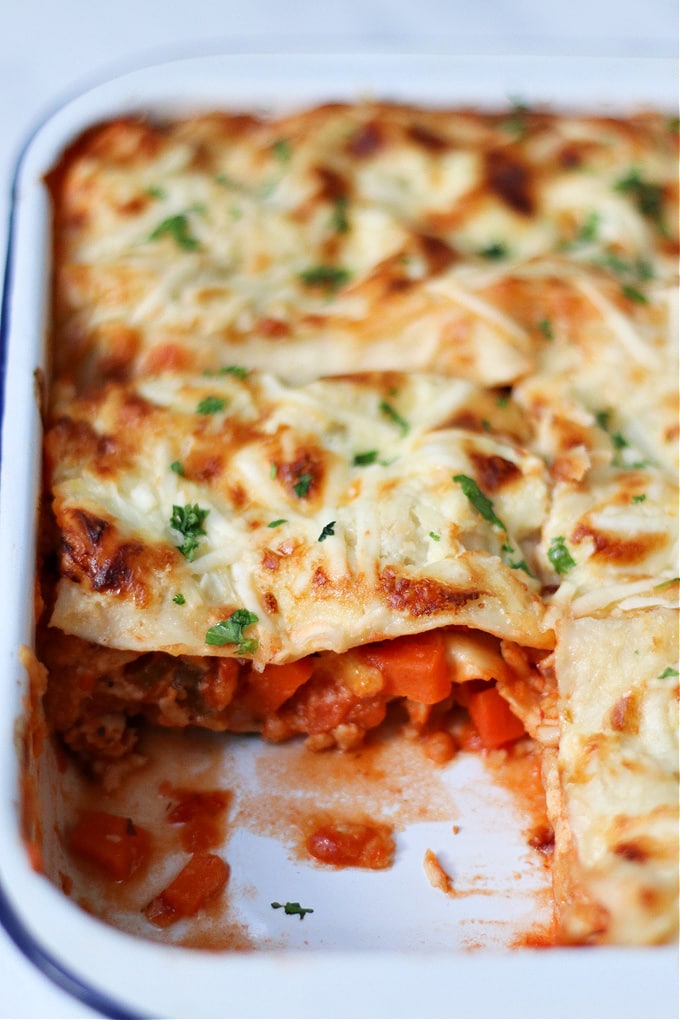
(243, 548)
(375, 406)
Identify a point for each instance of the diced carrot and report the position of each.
(111, 842)
(275, 684)
(495, 721)
(201, 815)
(352, 845)
(201, 880)
(414, 666)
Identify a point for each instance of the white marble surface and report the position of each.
(49, 50)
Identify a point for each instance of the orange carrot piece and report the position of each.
(275, 684)
(201, 880)
(112, 843)
(413, 666)
(495, 721)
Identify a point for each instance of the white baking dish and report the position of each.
(378, 944)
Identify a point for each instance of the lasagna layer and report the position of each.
(369, 235)
(336, 513)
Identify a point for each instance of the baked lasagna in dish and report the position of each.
(373, 408)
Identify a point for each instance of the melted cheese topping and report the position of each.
(371, 463)
(371, 235)
(507, 285)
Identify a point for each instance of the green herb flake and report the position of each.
(668, 672)
(177, 467)
(211, 405)
(189, 520)
(482, 504)
(639, 269)
(278, 522)
(282, 150)
(327, 278)
(153, 191)
(293, 908)
(639, 499)
(230, 632)
(516, 122)
(238, 371)
(633, 294)
(559, 555)
(179, 599)
(391, 412)
(301, 487)
(273, 470)
(365, 458)
(435, 537)
(327, 532)
(587, 232)
(176, 227)
(339, 221)
(666, 584)
(648, 197)
(497, 250)
(545, 326)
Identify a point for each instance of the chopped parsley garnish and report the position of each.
(619, 442)
(230, 632)
(502, 400)
(327, 531)
(211, 405)
(301, 487)
(238, 371)
(293, 908)
(282, 150)
(435, 537)
(177, 467)
(179, 599)
(391, 412)
(666, 584)
(668, 671)
(516, 123)
(153, 191)
(176, 227)
(559, 555)
(546, 329)
(639, 499)
(278, 522)
(497, 250)
(633, 294)
(648, 197)
(326, 278)
(365, 458)
(482, 504)
(508, 549)
(587, 232)
(189, 520)
(339, 220)
(638, 269)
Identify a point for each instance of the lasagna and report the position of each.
(375, 406)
